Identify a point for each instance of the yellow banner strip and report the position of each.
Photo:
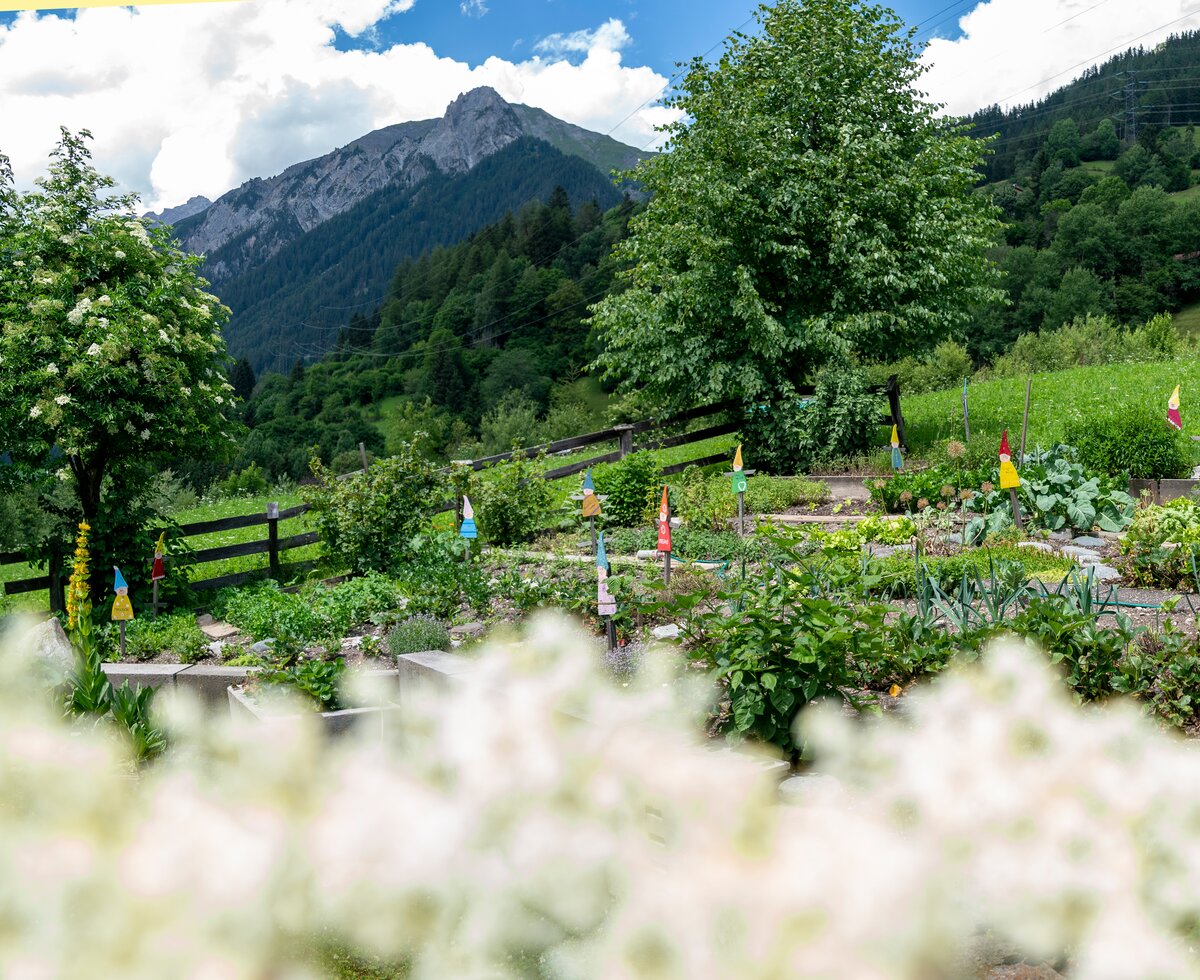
(9, 5)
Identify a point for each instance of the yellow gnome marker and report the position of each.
(122, 608)
(1010, 480)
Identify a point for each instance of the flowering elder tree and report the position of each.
(111, 357)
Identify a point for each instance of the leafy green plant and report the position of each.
(776, 494)
(1089, 652)
(437, 581)
(629, 486)
(318, 680)
(176, 635)
(512, 501)
(700, 501)
(418, 634)
(367, 520)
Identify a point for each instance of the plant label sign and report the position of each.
(897, 455)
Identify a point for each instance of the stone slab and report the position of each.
(845, 487)
(1080, 554)
(1104, 573)
(219, 631)
(1174, 489)
(1042, 546)
(1087, 541)
(210, 684)
(143, 675)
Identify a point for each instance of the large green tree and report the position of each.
(812, 206)
(111, 358)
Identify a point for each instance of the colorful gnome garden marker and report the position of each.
(664, 535)
(591, 506)
(591, 503)
(739, 488)
(158, 571)
(606, 605)
(122, 608)
(897, 456)
(467, 530)
(739, 477)
(1173, 416)
(1010, 480)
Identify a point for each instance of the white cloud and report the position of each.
(609, 36)
(1016, 51)
(195, 99)
(473, 8)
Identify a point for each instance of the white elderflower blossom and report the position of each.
(52, 368)
(94, 350)
(118, 254)
(102, 321)
(187, 392)
(145, 433)
(63, 474)
(219, 400)
(104, 300)
(62, 400)
(163, 336)
(35, 412)
(18, 264)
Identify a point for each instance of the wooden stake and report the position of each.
(362, 454)
(966, 414)
(741, 515)
(155, 586)
(1016, 508)
(592, 525)
(121, 626)
(612, 633)
(1025, 420)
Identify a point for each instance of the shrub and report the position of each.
(512, 501)
(368, 521)
(418, 634)
(629, 486)
(946, 367)
(317, 679)
(841, 419)
(247, 483)
(703, 502)
(1133, 441)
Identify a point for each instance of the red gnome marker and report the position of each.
(664, 536)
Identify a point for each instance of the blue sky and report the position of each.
(663, 31)
(236, 90)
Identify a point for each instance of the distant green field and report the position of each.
(1057, 398)
(1187, 320)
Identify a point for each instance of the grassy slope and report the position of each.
(1057, 398)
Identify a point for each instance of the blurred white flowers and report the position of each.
(534, 820)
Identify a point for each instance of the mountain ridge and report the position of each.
(263, 215)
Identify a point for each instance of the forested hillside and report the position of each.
(1137, 89)
(293, 304)
(1120, 238)
(487, 335)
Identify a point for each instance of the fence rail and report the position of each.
(274, 547)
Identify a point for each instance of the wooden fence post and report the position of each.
(893, 394)
(58, 595)
(362, 454)
(624, 439)
(273, 541)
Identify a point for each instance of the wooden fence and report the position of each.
(273, 546)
